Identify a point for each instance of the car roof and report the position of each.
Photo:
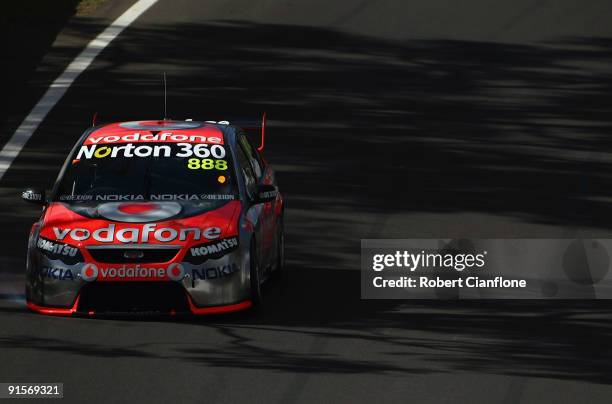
(192, 127)
(225, 131)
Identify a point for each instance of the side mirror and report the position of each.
(265, 193)
(34, 195)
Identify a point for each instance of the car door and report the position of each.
(267, 216)
(253, 213)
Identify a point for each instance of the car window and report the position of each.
(253, 156)
(249, 177)
(144, 171)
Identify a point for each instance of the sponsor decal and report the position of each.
(176, 272)
(217, 249)
(91, 272)
(129, 150)
(161, 137)
(149, 232)
(56, 248)
(268, 194)
(59, 251)
(61, 274)
(218, 272)
(76, 197)
(153, 197)
(31, 195)
(217, 197)
(138, 212)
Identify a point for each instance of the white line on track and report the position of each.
(58, 88)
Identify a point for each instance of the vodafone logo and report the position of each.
(138, 212)
(148, 232)
(165, 137)
(89, 272)
(176, 272)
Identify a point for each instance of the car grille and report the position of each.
(117, 298)
(144, 254)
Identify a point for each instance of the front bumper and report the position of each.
(217, 286)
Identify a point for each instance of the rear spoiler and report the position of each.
(251, 127)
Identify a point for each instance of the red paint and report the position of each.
(229, 308)
(56, 311)
(137, 208)
(68, 311)
(263, 132)
(60, 216)
(147, 136)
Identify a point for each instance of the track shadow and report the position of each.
(28, 30)
(551, 339)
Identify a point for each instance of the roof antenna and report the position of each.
(165, 99)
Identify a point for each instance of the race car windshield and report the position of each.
(149, 171)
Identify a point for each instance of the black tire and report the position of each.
(256, 295)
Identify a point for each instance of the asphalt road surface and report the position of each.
(388, 119)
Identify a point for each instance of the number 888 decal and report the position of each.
(206, 164)
(203, 152)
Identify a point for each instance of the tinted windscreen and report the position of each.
(149, 171)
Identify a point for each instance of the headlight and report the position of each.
(202, 252)
(67, 253)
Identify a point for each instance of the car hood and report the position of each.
(124, 223)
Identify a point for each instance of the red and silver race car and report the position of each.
(156, 217)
